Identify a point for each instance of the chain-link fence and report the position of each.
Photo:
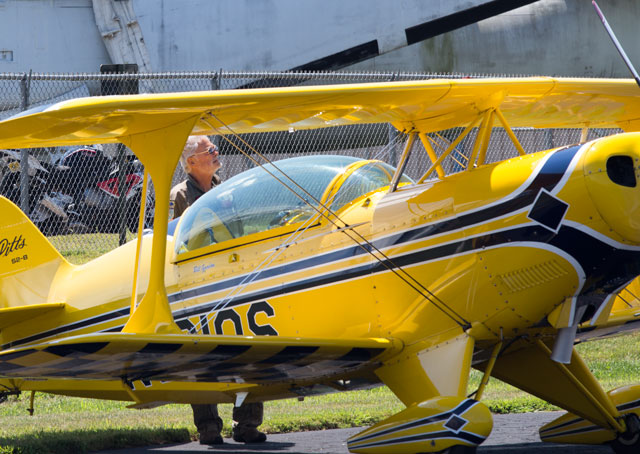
(86, 199)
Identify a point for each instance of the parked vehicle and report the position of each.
(79, 194)
(48, 207)
(93, 181)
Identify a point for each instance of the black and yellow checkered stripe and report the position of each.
(192, 358)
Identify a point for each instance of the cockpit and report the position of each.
(286, 193)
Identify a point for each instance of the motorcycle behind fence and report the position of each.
(47, 206)
(81, 193)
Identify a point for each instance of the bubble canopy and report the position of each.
(254, 201)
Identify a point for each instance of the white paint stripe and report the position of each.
(444, 415)
(572, 165)
(599, 236)
(392, 442)
(528, 244)
(510, 196)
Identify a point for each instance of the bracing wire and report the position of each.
(222, 304)
(331, 217)
(228, 298)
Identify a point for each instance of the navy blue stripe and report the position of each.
(629, 405)
(560, 426)
(160, 348)
(621, 407)
(574, 432)
(517, 234)
(607, 267)
(611, 266)
(548, 177)
(466, 436)
(459, 410)
(71, 327)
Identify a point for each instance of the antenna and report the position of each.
(616, 43)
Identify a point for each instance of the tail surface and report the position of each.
(28, 261)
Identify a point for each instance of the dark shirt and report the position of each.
(184, 194)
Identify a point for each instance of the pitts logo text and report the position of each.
(6, 246)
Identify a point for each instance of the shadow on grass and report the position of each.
(83, 441)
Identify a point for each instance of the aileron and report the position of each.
(187, 358)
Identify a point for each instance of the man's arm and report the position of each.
(178, 200)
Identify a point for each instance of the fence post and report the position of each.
(392, 157)
(121, 85)
(25, 82)
(215, 85)
(215, 81)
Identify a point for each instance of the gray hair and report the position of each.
(189, 150)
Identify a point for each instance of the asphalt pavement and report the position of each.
(512, 434)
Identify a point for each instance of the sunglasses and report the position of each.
(209, 150)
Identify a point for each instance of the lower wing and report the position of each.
(623, 316)
(129, 357)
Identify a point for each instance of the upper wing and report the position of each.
(427, 106)
(178, 357)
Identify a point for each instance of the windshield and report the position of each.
(368, 177)
(254, 201)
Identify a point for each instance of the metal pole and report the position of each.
(122, 194)
(125, 81)
(24, 152)
(392, 133)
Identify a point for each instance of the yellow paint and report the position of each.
(565, 428)
(392, 435)
(153, 314)
(462, 292)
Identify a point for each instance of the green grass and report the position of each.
(79, 249)
(64, 424)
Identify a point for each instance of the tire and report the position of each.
(628, 442)
(459, 449)
(78, 228)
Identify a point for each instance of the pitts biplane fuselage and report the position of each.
(348, 277)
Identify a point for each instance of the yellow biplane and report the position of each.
(333, 273)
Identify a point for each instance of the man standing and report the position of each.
(200, 161)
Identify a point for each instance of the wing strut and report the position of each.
(482, 141)
(329, 215)
(153, 314)
(451, 147)
(509, 131)
(599, 400)
(480, 145)
(431, 153)
(403, 161)
(141, 219)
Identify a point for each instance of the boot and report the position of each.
(208, 424)
(245, 434)
(210, 437)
